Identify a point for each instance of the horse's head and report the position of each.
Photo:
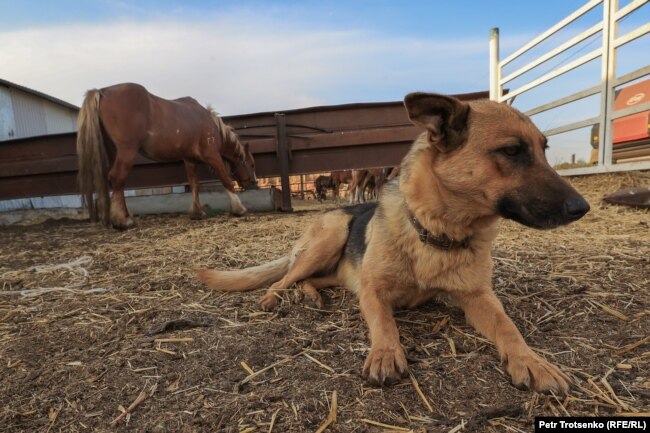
(244, 170)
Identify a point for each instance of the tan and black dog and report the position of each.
(431, 234)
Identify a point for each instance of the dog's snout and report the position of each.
(575, 207)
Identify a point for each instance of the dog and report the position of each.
(431, 234)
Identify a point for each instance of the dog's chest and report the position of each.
(437, 270)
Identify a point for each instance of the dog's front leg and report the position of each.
(527, 369)
(386, 362)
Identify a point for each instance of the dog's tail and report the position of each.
(243, 280)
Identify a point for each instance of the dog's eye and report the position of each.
(511, 150)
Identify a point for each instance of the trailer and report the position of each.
(631, 134)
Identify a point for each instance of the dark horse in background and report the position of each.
(321, 185)
(118, 122)
(333, 182)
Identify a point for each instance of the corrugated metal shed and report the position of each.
(59, 121)
(25, 112)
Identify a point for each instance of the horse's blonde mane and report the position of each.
(228, 135)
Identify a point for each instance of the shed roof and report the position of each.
(39, 94)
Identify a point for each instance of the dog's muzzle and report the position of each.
(543, 214)
(575, 208)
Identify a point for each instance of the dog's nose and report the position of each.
(575, 207)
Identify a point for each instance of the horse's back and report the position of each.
(125, 111)
(161, 129)
(134, 99)
(132, 107)
(129, 96)
(189, 102)
(343, 176)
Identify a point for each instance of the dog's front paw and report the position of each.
(530, 371)
(268, 301)
(385, 366)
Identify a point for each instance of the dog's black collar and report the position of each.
(442, 242)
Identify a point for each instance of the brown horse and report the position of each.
(339, 178)
(374, 182)
(372, 179)
(117, 122)
(356, 182)
(394, 172)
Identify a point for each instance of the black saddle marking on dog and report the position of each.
(362, 213)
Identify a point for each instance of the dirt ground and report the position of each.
(72, 360)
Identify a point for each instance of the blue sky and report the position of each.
(452, 38)
(410, 18)
(246, 56)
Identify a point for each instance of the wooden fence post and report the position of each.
(282, 151)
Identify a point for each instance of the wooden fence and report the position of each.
(310, 140)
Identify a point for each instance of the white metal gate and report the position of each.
(611, 42)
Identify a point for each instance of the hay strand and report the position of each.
(331, 417)
(416, 385)
(133, 406)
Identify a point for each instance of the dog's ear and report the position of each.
(443, 116)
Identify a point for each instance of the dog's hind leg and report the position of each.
(317, 251)
(310, 288)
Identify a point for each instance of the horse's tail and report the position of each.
(93, 161)
(243, 280)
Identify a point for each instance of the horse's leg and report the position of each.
(120, 218)
(196, 213)
(359, 194)
(364, 188)
(236, 206)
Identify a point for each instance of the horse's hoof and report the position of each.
(239, 212)
(198, 216)
(123, 224)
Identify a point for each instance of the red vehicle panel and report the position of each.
(634, 127)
